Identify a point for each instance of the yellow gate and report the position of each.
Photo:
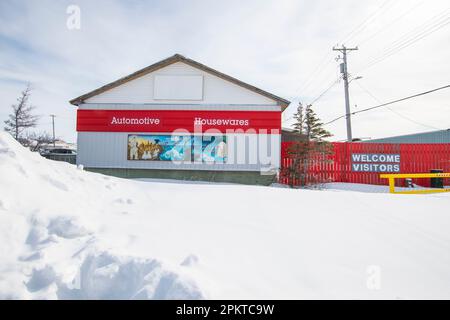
(394, 176)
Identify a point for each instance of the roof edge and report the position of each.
(168, 61)
(413, 134)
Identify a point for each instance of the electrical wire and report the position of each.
(394, 21)
(434, 19)
(317, 70)
(394, 111)
(335, 82)
(432, 25)
(388, 103)
(319, 96)
(364, 23)
(407, 44)
(356, 30)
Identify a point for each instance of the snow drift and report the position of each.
(50, 216)
(70, 234)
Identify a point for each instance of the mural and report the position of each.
(177, 148)
(158, 147)
(209, 149)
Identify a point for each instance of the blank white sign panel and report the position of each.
(178, 87)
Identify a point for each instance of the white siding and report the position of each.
(178, 87)
(215, 90)
(109, 150)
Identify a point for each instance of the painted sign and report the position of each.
(171, 120)
(375, 162)
(177, 148)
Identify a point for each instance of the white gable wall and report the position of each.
(215, 90)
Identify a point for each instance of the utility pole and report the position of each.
(53, 125)
(347, 97)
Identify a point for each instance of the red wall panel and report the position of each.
(415, 158)
(171, 120)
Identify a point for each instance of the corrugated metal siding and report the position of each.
(441, 136)
(414, 158)
(109, 150)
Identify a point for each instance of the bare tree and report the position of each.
(35, 141)
(21, 118)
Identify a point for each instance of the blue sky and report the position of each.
(282, 46)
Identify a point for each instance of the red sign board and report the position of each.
(171, 120)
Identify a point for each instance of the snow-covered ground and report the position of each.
(370, 188)
(66, 233)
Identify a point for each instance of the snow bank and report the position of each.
(49, 247)
(70, 234)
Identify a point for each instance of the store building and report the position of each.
(437, 136)
(180, 119)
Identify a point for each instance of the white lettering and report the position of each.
(187, 310)
(373, 281)
(220, 122)
(73, 21)
(136, 121)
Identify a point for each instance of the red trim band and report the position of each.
(171, 120)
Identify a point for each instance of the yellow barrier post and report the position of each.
(391, 185)
(392, 176)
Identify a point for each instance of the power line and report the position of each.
(363, 24)
(411, 120)
(325, 74)
(407, 44)
(319, 96)
(434, 19)
(316, 71)
(432, 25)
(394, 111)
(319, 87)
(394, 21)
(388, 103)
(408, 39)
(356, 30)
(335, 82)
(368, 92)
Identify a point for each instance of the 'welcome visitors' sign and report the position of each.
(375, 162)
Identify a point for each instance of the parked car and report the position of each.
(59, 154)
(53, 151)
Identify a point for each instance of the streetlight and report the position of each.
(357, 78)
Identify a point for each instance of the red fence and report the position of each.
(414, 158)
